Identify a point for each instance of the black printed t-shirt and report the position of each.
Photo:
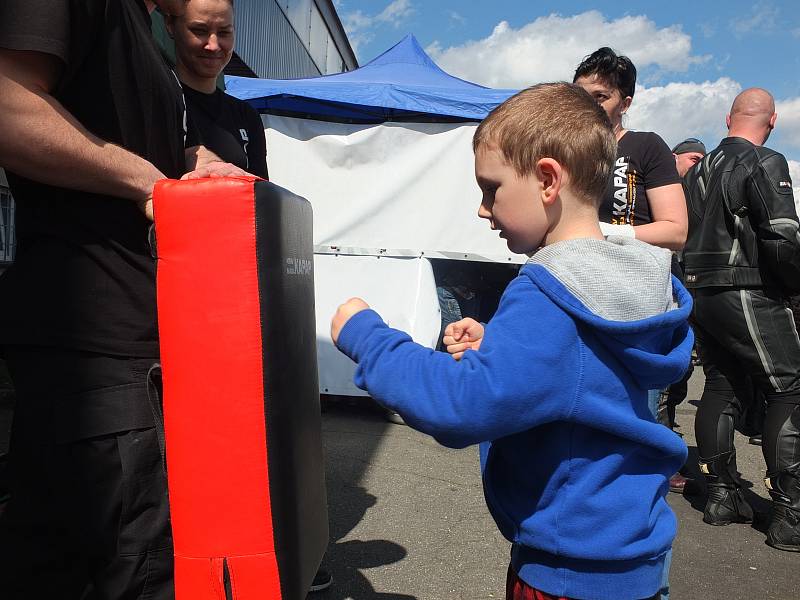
(644, 161)
(230, 128)
(83, 276)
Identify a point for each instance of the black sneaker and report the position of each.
(322, 581)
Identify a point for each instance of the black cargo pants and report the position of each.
(88, 515)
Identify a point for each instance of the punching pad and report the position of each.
(241, 402)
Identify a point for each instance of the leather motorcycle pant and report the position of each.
(741, 333)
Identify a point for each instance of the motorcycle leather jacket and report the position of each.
(743, 225)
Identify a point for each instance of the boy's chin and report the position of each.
(525, 249)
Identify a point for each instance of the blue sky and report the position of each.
(692, 57)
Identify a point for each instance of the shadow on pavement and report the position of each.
(348, 454)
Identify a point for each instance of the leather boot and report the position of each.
(784, 526)
(726, 503)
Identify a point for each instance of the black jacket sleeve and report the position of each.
(774, 219)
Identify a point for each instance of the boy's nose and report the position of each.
(483, 212)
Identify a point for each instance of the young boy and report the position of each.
(575, 472)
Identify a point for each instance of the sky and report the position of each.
(692, 57)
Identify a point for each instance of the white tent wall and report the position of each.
(402, 290)
(386, 198)
(395, 189)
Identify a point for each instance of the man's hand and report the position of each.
(461, 336)
(215, 169)
(146, 206)
(343, 314)
(202, 162)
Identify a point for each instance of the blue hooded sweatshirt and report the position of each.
(575, 468)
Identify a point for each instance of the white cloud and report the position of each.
(794, 173)
(395, 12)
(788, 124)
(763, 18)
(456, 18)
(359, 26)
(707, 30)
(550, 48)
(679, 110)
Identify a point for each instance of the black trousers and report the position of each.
(88, 515)
(741, 333)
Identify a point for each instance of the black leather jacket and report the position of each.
(743, 226)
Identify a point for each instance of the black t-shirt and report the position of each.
(644, 161)
(83, 277)
(230, 128)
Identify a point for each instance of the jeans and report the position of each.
(652, 404)
(450, 309)
(664, 591)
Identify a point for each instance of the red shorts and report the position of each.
(516, 589)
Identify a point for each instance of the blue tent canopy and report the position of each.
(402, 84)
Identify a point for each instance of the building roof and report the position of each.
(331, 17)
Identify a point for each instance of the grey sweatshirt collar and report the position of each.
(618, 279)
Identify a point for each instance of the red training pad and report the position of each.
(231, 422)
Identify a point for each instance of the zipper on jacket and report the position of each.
(226, 580)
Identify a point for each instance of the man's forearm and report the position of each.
(42, 141)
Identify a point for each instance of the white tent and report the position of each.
(384, 155)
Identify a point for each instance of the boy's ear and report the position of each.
(551, 177)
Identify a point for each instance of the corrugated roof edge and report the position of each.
(328, 11)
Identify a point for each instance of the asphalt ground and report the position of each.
(408, 520)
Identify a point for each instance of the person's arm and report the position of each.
(775, 220)
(670, 222)
(524, 375)
(43, 142)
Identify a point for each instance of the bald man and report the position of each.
(742, 260)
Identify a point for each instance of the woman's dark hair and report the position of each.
(616, 71)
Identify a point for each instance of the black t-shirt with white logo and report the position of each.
(644, 161)
(83, 277)
(230, 128)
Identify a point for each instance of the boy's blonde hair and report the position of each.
(559, 121)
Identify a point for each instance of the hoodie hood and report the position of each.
(622, 289)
